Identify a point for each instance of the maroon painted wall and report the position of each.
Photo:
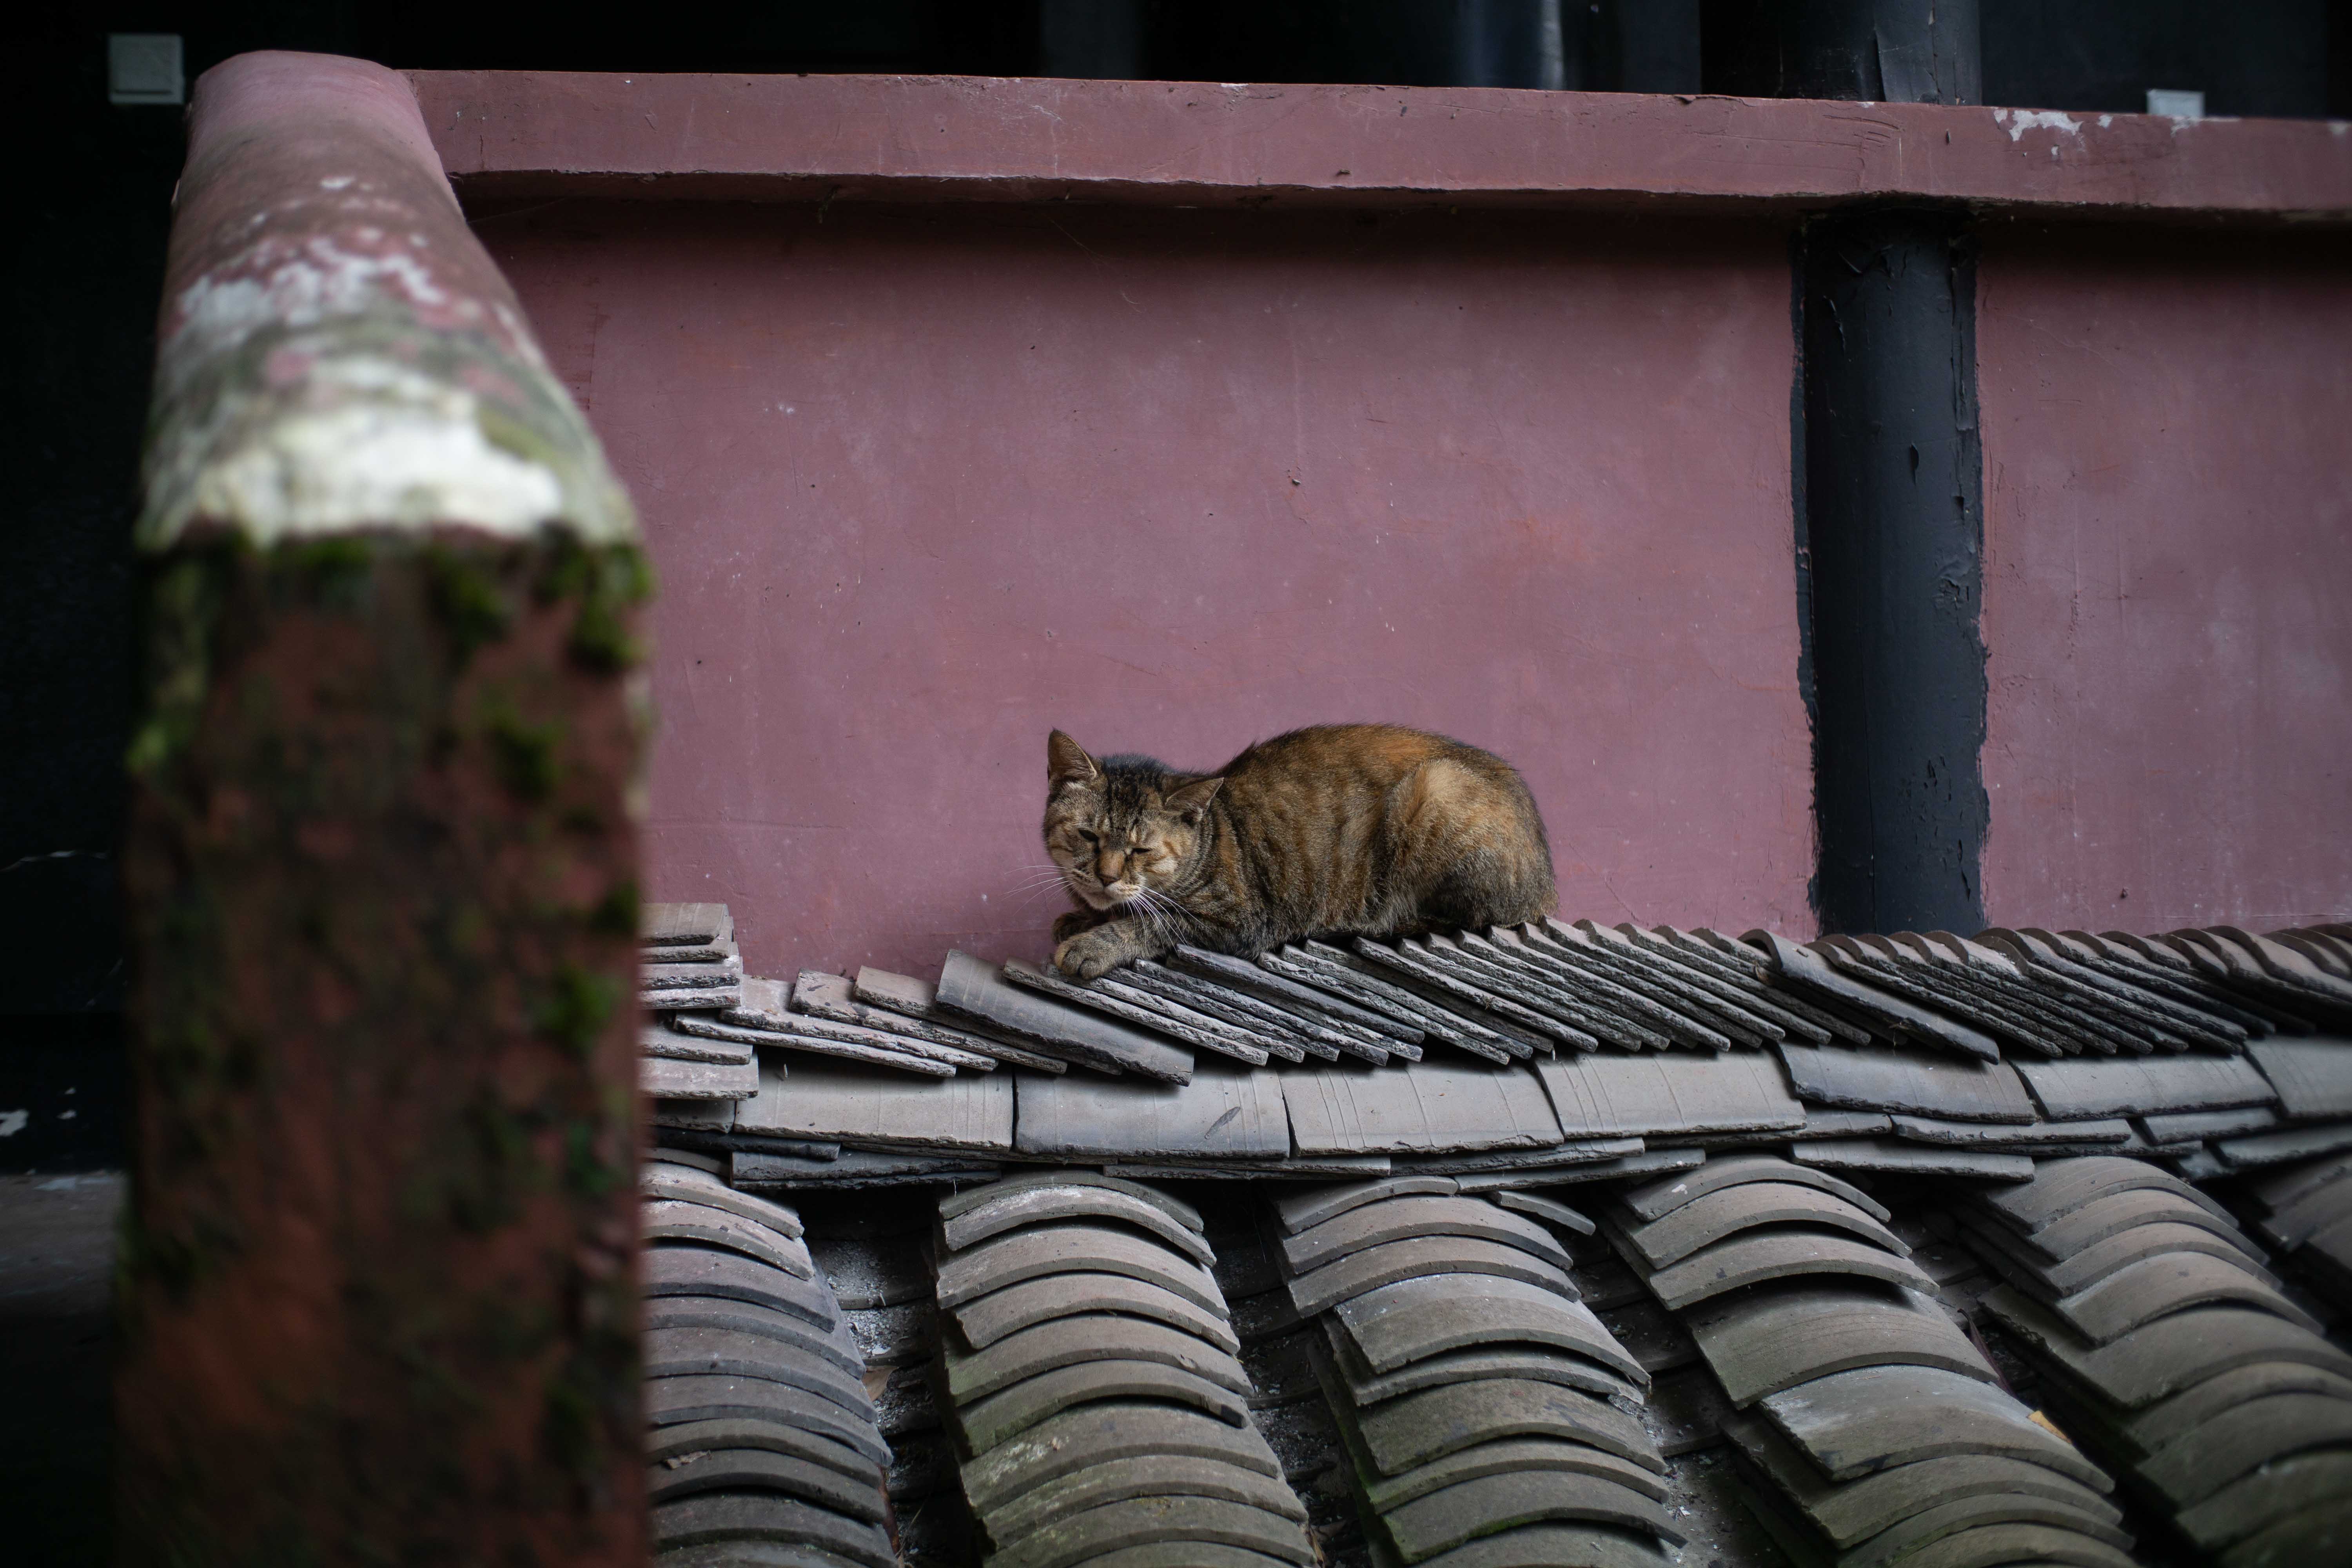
(922, 483)
(2168, 441)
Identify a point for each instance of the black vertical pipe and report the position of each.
(1894, 479)
(1886, 51)
(1097, 39)
(1890, 476)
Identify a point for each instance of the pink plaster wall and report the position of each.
(2167, 438)
(920, 484)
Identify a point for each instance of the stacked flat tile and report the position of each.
(2168, 1348)
(762, 1445)
(1867, 1429)
(1088, 1374)
(2305, 1212)
(690, 972)
(1558, 1052)
(1488, 1416)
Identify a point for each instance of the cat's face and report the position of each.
(1109, 829)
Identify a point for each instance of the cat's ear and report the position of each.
(1066, 763)
(1191, 800)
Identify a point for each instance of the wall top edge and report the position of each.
(705, 137)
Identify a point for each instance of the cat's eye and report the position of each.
(1084, 836)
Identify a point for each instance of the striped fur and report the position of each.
(1367, 830)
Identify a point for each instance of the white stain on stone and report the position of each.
(319, 282)
(2018, 121)
(389, 447)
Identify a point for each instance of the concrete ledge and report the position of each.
(1182, 143)
(335, 350)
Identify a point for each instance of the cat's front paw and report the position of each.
(1089, 955)
(1072, 922)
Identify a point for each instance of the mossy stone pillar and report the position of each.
(377, 1281)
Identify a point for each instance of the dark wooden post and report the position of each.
(377, 1286)
(1891, 523)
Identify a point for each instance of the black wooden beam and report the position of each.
(1890, 525)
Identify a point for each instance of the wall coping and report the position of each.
(928, 139)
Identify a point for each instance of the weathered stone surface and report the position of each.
(693, 1397)
(1706, 1220)
(1540, 1364)
(1805, 968)
(765, 1470)
(1222, 1112)
(1437, 1256)
(2168, 1420)
(2120, 1211)
(988, 1317)
(1452, 1515)
(671, 1220)
(1852, 1423)
(1511, 1456)
(1153, 1475)
(724, 1352)
(2262, 1148)
(1557, 1546)
(1655, 1199)
(2141, 1292)
(992, 1265)
(2278, 1490)
(1414, 1318)
(1649, 1163)
(720, 1517)
(1182, 1213)
(2060, 1187)
(797, 1334)
(1550, 1210)
(1774, 1338)
(681, 925)
(661, 1177)
(1912, 1159)
(1412, 1431)
(2087, 1088)
(659, 1040)
(2321, 1534)
(2243, 1439)
(1081, 1337)
(1042, 1204)
(1915, 1082)
(1948, 1518)
(2168, 1354)
(693, 1270)
(1083, 1435)
(1349, 977)
(1427, 1107)
(977, 990)
(678, 1439)
(835, 997)
(1300, 1210)
(985, 1423)
(1119, 1003)
(1670, 1093)
(1848, 1512)
(1754, 1258)
(841, 1102)
(1402, 1218)
(1176, 1522)
(2033, 1273)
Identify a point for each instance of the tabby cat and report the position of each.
(1369, 829)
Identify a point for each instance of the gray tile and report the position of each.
(1220, 1112)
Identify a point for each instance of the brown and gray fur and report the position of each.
(1365, 829)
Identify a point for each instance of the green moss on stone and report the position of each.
(576, 1008)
